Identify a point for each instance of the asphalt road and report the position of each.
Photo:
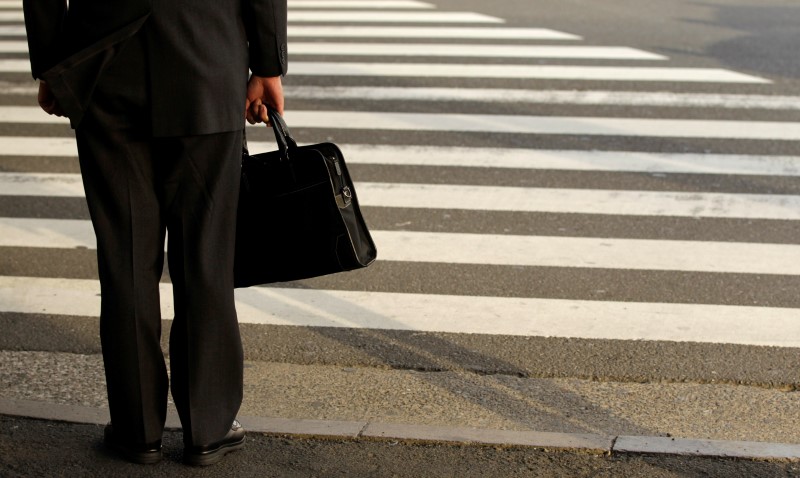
(731, 36)
(728, 35)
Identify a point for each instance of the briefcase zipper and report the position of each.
(336, 165)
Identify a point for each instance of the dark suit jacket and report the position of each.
(199, 52)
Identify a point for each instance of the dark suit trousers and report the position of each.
(138, 188)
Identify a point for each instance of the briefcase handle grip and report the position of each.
(282, 134)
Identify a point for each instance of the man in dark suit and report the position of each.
(157, 93)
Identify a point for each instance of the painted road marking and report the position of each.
(485, 33)
(14, 46)
(743, 325)
(391, 17)
(11, 16)
(542, 72)
(492, 249)
(344, 31)
(400, 4)
(516, 124)
(467, 50)
(552, 72)
(493, 198)
(555, 125)
(580, 201)
(12, 30)
(441, 50)
(366, 4)
(357, 16)
(446, 156)
(567, 160)
(38, 146)
(507, 95)
(557, 97)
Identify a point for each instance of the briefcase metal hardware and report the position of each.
(345, 198)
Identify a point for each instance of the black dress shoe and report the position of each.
(209, 454)
(145, 454)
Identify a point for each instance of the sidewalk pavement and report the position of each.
(571, 420)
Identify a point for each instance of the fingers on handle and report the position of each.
(263, 115)
(253, 112)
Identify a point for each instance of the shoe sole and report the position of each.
(212, 457)
(143, 458)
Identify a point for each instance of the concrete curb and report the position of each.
(354, 430)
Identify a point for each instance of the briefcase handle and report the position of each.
(282, 134)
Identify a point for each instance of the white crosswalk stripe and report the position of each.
(11, 15)
(445, 156)
(346, 16)
(519, 124)
(565, 72)
(441, 313)
(362, 4)
(440, 50)
(12, 30)
(38, 146)
(499, 71)
(404, 32)
(394, 29)
(390, 17)
(460, 248)
(491, 198)
(552, 97)
(407, 32)
(466, 50)
(14, 46)
(542, 72)
(557, 125)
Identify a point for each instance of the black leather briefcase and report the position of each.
(298, 214)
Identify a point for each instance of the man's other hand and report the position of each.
(47, 101)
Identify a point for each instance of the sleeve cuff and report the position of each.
(269, 63)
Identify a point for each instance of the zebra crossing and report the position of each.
(441, 48)
(510, 250)
(446, 122)
(500, 198)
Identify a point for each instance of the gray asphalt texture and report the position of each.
(42, 449)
